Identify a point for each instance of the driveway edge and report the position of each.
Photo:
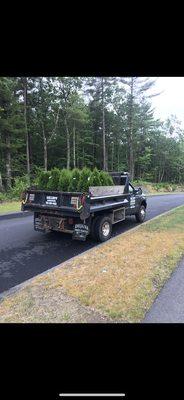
(18, 214)
(26, 283)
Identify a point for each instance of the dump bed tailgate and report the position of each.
(46, 200)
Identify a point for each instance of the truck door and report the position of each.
(132, 198)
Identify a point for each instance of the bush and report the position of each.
(3, 197)
(64, 180)
(53, 179)
(75, 177)
(103, 178)
(19, 186)
(106, 179)
(158, 186)
(84, 181)
(43, 179)
(95, 178)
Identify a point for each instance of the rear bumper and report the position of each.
(45, 209)
(47, 223)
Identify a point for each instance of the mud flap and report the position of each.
(80, 232)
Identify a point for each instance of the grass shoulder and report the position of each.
(9, 206)
(118, 280)
(159, 188)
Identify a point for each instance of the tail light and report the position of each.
(23, 196)
(83, 199)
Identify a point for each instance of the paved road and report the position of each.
(25, 253)
(169, 305)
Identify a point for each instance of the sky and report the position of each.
(171, 100)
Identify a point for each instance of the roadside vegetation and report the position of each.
(76, 180)
(118, 280)
(10, 206)
(55, 179)
(157, 188)
(77, 122)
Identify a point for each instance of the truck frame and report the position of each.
(82, 214)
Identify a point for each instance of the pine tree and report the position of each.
(53, 179)
(84, 182)
(64, 180)
(75, 178)
(95, 178)
(137, 90)
(101, 91)
(11, 129)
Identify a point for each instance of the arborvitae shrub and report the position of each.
(3, 197)
(53, 179)
(75, 177)
(105, 179)
(95, 178)
(72, 181)
(20, 184)
(109, 180)
(84, 181)
(43, 179)
(64, 180)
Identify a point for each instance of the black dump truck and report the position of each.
(83, 214)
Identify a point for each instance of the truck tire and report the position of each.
(103, 228)
(92, 229)
(141, 214)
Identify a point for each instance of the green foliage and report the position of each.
(64, 180)
(164, 186)
(43, 180)
(3, 197)
(54, 179)
(60, 115)
(159, 186)
(95, 178)
(75, 178)
(106, 179)
(84, 181)
(18, 187)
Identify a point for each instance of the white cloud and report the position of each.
(171, 100)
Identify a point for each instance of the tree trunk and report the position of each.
(45, 154)
(94, 148)
(131, 152)
(8, 163)
(26, 128)
(118, 158)
(112, 157)
(83, 157)
(162, 174)
(1, 183)
(77, 150)
(68, 144)
(103, 129)
(45, 149)
(74, 152)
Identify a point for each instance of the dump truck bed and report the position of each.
(85, 213)
(73, 202)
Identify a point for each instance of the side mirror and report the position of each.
(138, 190)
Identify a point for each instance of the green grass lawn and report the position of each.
(119, 279)
(10, 206)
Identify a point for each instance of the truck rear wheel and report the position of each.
(92, 230)
(103, 229)
(141, 214)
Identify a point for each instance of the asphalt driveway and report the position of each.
(25, 253)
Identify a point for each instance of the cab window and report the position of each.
(130, 189)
